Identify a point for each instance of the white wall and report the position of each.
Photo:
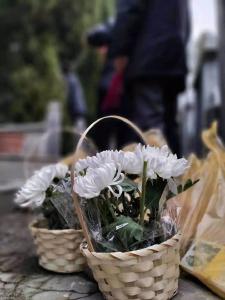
(204, 17)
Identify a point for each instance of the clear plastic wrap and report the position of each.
(124, 233)
(58, 208)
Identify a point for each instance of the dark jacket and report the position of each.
(101, 34)
(153, 34)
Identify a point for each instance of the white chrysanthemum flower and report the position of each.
(164, 163)
(160, 162)
(94, 161)
(97, 179)
(129, 162)
(136, 160)
(32, 194)
(61, 170)
(108, 156)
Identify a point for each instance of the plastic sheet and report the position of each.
(203, 217)
(59, 209)
(124, 234)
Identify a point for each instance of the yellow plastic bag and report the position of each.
(206, 261)
(202, 217)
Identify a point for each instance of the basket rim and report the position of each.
(153, 248)
(33, 227)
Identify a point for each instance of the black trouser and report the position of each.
(153, 104)
(103, 132)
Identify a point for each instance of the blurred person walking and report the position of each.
(99, 38)
(76, 102)
(109, 90)
(149, 44)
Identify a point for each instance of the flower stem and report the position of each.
(110, 208)
(142, 203)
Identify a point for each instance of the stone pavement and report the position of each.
(22, 279)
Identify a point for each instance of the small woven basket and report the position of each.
(58, 250)
(150, 273)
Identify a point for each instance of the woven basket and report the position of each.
(58, 250)
(150, 273)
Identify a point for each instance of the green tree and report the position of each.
(36, 36)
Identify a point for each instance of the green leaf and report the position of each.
(128, 185)
(126, 231)
(179, 189)
(189, 183)
(58, 207)
(182, 188)
(104, 210)
(154, 190)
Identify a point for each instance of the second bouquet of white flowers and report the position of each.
(123, 196)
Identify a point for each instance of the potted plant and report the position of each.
(57, 234)
(133, 239)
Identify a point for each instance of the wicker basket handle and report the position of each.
(80, 142)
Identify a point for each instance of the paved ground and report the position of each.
(22, 279)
